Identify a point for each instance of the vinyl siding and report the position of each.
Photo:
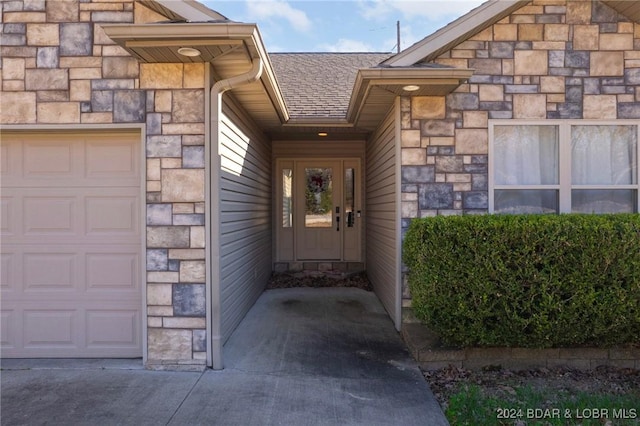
(382, 225)
(245, 217)
(318, 149)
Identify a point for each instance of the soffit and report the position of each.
(376, 89)
(230, 47)
(630, 9)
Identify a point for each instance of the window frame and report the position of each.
(564, 186)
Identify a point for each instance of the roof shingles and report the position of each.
(319, 85)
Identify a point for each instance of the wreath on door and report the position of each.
(318, 180)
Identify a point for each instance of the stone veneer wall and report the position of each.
(552, 59)
(58, 67)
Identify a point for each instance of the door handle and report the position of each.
(338, 218)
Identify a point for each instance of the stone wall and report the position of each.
(426, 348)
(59, 67)
(551, 59)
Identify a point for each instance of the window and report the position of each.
(287, 198)
(563, 166)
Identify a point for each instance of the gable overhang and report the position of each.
(375, 90)
(628, 8)
(476, 21)
(184, 10)
(455, 33)
(230, 47)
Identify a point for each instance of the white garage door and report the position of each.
(71, 245)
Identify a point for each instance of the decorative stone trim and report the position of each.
(424, 347)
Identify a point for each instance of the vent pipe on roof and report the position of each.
(217, 91)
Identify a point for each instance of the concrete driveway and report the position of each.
(300, 357)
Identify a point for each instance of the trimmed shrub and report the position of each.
(527, 280)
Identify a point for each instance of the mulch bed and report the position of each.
(447, 381)
(318, 280)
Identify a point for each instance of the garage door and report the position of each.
(71, 245)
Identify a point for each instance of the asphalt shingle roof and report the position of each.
(319, 85)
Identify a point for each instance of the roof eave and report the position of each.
(189, 10)
(222, 37)
(366, 107)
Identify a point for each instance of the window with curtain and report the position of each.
(567, 166)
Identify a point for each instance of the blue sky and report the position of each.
(342, 26)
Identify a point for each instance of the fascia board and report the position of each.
(190, 10)
(211, 31)
(465, 26)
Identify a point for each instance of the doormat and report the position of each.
(317, 279)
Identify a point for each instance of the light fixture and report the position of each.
(323, 134)
(189, 51)
(410, 88)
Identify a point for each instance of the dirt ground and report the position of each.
(616, 381)
(319, 279)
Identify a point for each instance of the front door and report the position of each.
(320, 210)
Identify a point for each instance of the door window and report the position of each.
(318, 198)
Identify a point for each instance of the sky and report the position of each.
(342, 26)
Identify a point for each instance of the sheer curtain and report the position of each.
(526, 155)
(603, 155)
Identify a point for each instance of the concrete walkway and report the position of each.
(300, 357)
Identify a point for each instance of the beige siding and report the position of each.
(382, 224)
(318, 149)
(245, 218)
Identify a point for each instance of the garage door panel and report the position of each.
(114, 329)
(108, 160)
(52, 327)
(7, 215)
(52, 160)
(113, 272)
(113, 214)
(7, 329)
(5, 160)
(71, 253)
(51, 272)
(8, 278)
(46, 215)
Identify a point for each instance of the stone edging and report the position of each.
(422, 345)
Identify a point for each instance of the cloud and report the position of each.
(347, 45)
(279, 9)
(431, 10)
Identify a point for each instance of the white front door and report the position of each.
(318, 186)
(320, 210)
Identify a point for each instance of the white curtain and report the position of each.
(526, 155)
(603, 155)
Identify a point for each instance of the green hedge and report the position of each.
(527, 280)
